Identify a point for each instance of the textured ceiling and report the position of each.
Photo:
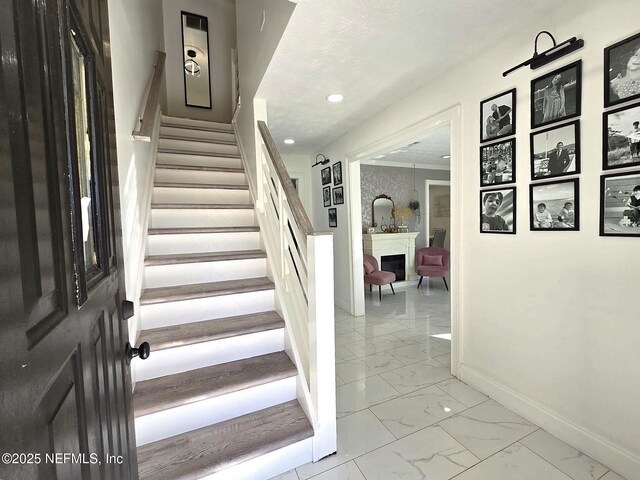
(374, 52)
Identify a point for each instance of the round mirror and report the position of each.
(382, 212)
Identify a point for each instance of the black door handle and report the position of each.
(143, 351)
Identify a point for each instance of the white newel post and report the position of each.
(322, 342)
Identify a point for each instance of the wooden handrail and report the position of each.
(148, 118)
(300, 215)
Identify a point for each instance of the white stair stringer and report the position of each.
(219, 371)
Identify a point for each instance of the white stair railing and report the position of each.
(302, 263)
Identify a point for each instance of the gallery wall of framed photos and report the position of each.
(332, 175)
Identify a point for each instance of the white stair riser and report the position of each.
(270, 464)
(187, 311)
(203, 242)
(185, 418)
(205, 354)
(196, 123)
(203, 272)
(191, 146)
(200, 195)
(199, 176)
(199, 160)
(183, 132)
(201, 217)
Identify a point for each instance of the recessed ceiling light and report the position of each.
(446, 156)
(289, 141)
(335, 97)
(380, 156)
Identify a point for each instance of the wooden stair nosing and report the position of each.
(172, 151)
(204, 290)
(171, 391)
(199, 168)
(208, 186)
(174, 336)
(199, 128)
(201, 230)
(198, 140)
(181, 258)
(202, 206)
(213, 448)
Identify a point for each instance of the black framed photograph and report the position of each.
(622, 71)
(325, 174)
(333, 217)
(498, 163)
(338, 196)
(326, 196)
(620, 205)
(554, 205)
(555, 151)
(337, 173)
(557, 95)
(498, 116)
(498, 211)
(621, 137)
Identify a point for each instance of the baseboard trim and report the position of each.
(604, 451)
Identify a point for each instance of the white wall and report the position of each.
(255, 50)
(133, 23)
(549, 319)
(299, 166)
(222, 38)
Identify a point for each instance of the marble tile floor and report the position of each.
(401, 415)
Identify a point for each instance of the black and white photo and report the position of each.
(554, 205)
(325, 174)
(337, 173)
(620, 205)
(557, 95)
(621, 137)
(326, 196)
(498, 163)
(498, 211)
(333, 217)
(555, 151)
(338, 198)
(622, 71)
(498, 116)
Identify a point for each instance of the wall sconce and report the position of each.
(540, 59)
(324, 160)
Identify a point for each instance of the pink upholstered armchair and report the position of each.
(374, 276)
(433, 262)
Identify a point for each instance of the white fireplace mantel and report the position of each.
(381, 244)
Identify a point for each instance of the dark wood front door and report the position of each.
(65, 390)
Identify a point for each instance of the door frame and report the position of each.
(397, 138)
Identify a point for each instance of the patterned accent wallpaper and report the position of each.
(396, 182)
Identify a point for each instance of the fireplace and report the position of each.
(395, 264)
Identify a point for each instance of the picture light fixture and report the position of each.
(540, 59)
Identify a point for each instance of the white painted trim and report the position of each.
(389, 163)
(403, 136)
(601, 449)
(427, 185)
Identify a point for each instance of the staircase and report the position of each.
(217, 397)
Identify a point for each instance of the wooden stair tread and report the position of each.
(197, 127)
(174, 151)
(200, 168)
(191, 230)
(198, 140)
(211, 449)
(217, 186)
(204, 290)
(170, 391)
(209, 330)
(174, 259)
(203, 206)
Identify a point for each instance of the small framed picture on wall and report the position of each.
(498, 211)
(555, 151)
(554, 205)
(338, 198)
(621, 137)
(620, 205)
(325, 174)
(621, 71)
(333, 217)
(498, 163)
(326, 196)
(337, 173)
(557, 95)
(498, 116)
